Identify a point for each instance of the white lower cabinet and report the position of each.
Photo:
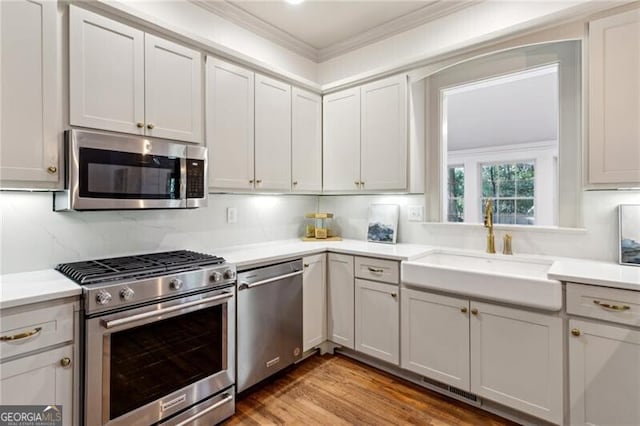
(604, 374)
(435, 337)
(377, 312)
(41, 379)
(314, 301)
(516, 359)
(506, 355)
(340, 298)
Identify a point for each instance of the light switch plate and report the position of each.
(415, 214)
(232, 215)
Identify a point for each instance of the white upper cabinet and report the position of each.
(229, 123)
(384, 124)
(341, 147)
(106, 73)
(614, 100)
(366, 137)
(124, 80)
(29, 134)
(272, 134)
(173, 87)
(306, 141)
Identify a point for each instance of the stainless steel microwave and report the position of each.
(116, 172)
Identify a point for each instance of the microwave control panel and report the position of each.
(195, 178)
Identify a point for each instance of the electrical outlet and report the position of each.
(232, 215)
(415, 213)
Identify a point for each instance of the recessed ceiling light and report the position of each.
(294, 1)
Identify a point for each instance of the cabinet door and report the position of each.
(28, 101)
(429, 348)
(604, 374)
(341, 144)
(614, 99)
(384, 123)
(40, 380)
(516, 359)
(273, 134)
(229, 125)
(340, 298)
(306, 141)
(314, 301)
(377, 310)
(173, 90)
(106, 73)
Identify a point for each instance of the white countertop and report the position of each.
(606, 274)
(30, 287)
(255, 254)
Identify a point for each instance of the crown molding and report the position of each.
(435, 10)
(248, 21)
(235, 14)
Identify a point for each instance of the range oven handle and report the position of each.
(151, 314)
(245, 284)
(228, 398)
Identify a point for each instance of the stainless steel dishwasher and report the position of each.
(269, 324)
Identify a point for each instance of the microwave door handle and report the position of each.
(133, 318)
(183, 181)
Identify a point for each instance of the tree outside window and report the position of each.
(511, 187)
(455, 209)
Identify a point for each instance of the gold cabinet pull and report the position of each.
(258, 180)
(575, 331)
(65, 362)
(150, 126)
(21, 336)
(52, 169)
(250, 180)
(463, 310)
(306, 265)
(375, 270)
(357, 182)
(140, 124)
(295, 182)
(394, 295)
(362, 182)
(474, 311)
(612, 307)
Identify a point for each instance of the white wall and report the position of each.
(598, 241)
(33, 237)
(470, 26)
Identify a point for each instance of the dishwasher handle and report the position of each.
(245, 284)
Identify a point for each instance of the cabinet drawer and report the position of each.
(609, 304)
(35, 328)
(378, 270)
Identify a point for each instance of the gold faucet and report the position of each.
(488, 223)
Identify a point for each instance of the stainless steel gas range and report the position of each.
(159, 338)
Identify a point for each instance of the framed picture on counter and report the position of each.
(629, 234)
(383, 223)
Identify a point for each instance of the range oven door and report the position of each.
(146, 364)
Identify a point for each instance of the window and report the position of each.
(455, 209)
(511, 187)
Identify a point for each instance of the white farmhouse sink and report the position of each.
(511, 279)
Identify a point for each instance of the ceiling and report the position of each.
(321, 29)
(504, 112)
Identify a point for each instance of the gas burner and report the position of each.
(135, 267)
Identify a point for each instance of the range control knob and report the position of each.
(175, 284)
(229, 274)
(215, 276)
(126, 294)
(103, 297)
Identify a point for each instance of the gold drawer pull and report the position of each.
(306, 265)
(612, 307)
(52, 169)
(575, 331)
(394, 295)
(21, 336)
(474, 311)
(65, 362)
(463, 310)
(375, 270)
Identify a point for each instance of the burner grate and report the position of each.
(129, 267)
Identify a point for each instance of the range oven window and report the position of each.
(153, 360)
(113, 174)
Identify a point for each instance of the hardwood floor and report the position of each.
(336, 390)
